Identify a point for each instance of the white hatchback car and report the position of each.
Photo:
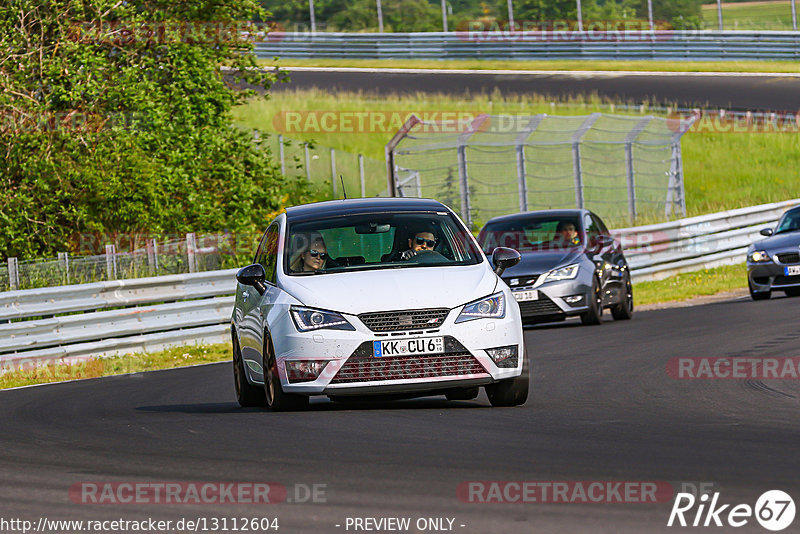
(387, 297)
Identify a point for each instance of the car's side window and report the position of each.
(600, 225)
(267, 254)
(592, 230)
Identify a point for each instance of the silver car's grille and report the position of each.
(370, 369)
(521, 281)
(404, 320)
(789, 257)
(542, 306)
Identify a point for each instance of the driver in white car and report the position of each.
(422, 241)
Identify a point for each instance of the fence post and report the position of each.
(111, 262)
(630, 138)
(63, 260)
(191, 251)
(520, 143)
(308, 162)
(280, 150)
(333, 173)
(361, 175)
(13, 273)
(152, 256)
(464, 184)
(576, 157)
(389, 155)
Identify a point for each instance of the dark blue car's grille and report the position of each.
(789, 257)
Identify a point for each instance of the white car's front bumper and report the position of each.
(353, 369)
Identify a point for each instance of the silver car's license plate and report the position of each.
(407, 347)
(526, 295)
(792, 270)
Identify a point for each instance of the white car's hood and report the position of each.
(393, 289)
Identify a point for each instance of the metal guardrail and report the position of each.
(531, 45)
(116, 317)
(149, 314)
(658, 251)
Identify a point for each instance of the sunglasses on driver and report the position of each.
(422, 241)
(315, 253)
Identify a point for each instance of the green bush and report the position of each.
(116, 118)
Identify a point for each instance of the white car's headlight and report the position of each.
(307, 319)
(759, 256)
(493, 307)
(562, 273)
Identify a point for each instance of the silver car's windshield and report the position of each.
(544, 233)
(377, 241)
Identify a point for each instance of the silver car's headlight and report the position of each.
(307, 319)
(562, 273)
(493, 307)
(759, 256)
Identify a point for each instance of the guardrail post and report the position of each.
(13, 273)
(191, 251)
(152, 256)
(361, 175)
(280, 151)
(308, 162)
(63, 260)
(333, 173)
(111, 262)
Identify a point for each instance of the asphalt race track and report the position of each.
(737, 92)
(602, 408)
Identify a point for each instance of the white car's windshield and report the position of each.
(377, 241)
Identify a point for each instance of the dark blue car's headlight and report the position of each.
(759, 256)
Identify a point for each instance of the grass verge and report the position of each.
(131, 363)
(549, 65)
(751, 16)
(689, 285)
(723, 170)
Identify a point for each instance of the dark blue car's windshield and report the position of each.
(789, 223)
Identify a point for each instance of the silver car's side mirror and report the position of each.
(503, 258)
(253, 275)
(766, 232)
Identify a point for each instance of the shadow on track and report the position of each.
(319, 405)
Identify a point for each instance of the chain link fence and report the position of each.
(627, 169)
(327, 169)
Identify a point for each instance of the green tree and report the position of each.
(116, 118)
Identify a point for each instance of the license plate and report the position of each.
(528, 294)
(790, 271)
(408, 347)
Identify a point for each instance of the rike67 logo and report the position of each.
(774, 510)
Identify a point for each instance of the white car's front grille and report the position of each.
(404, 320)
